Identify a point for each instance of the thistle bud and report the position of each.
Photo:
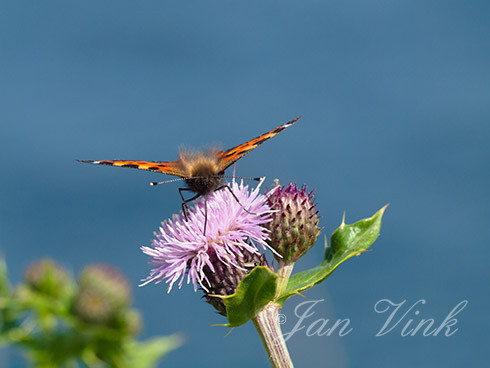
(48, 277)
(294, 227)
(224, 279)
(102, 294)
(92, 306)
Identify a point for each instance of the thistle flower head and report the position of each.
(233, 227)
(294, 226)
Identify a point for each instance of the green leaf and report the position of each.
(253, 293)
(4, 282)
(347, 241)
(146, 354)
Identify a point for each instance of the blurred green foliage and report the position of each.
(60, 322)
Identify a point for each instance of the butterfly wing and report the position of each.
(228, 157)
(167, 167)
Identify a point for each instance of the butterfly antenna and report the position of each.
(153, 183)
(244, 177)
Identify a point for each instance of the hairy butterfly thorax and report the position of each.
(203, 172)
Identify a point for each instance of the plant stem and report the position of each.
(284, 272)
(267, 323)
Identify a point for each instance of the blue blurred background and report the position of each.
(395, 98)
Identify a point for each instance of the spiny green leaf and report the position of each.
(252, 294)
(347, 241)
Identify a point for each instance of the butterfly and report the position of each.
(203, 172)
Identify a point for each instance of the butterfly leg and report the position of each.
(185, 201)
(205, 213)
(234, 196)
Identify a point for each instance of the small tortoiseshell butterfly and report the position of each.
(203, 172)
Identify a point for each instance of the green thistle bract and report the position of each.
(224, 279)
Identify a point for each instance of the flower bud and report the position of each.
(294, 227)
(224, 279)
(103, 292)
(92, 306)
(48, 277)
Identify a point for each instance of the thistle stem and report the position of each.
(267, 324)
(284, 272)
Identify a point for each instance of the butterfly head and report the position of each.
(205, 184)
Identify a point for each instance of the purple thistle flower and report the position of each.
(182, 247)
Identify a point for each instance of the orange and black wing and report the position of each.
(228, 157)
(168, 167)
